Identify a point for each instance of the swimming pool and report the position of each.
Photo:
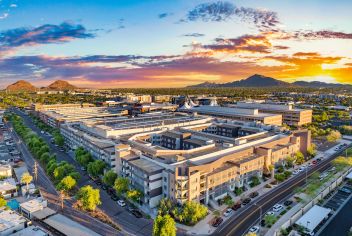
(13, 204)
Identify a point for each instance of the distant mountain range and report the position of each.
(25, 86)
(263, 81)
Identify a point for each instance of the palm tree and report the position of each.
(27, 179)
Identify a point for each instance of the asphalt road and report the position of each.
(129, 223)
(243, 219)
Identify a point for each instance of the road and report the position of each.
(246, 217)
(129, 223)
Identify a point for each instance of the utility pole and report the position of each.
(62, 198)
(35, 171)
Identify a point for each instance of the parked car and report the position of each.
(246, 201)
(236, 206)
(295, 172)
(121, 203)
(136, 213)
(114, 197)
(254, 229)
(277, 208)
(262, 223)
(217, 221)
(314, 162)
(288, 203)
(111, 191)
(228, 212)
(253, 195)
(270, 213)
(346, 190)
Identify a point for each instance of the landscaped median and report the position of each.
(62, 174)
(318, 186)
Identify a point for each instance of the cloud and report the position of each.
(4, 16)
(44, 34)
(263, 19)
(322, 34)
(164, 15)
(306, 54)
(216, 11)
(245, 43)
(194, 35)
(13, 5)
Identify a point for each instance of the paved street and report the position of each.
(246, 217)
(120, 215)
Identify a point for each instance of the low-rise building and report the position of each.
(241, 114)
(290, 115)
(8, 188)
(5, 170)
(29, 207)
(11, 222)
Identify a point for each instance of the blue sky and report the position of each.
(177, 43)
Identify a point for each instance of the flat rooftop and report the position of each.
(147, 166)
(145, 120)
(67, 226)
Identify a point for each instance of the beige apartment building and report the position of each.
(205, 173)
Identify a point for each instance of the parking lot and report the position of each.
(339, 197)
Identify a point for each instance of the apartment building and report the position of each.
(99, 136)
(241, 114)
(205, 172)
(290, 115)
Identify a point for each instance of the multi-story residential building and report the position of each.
(205, 172)
(240, 114)
(99, 136)
(290, 115)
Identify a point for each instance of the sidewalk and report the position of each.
(204, 227)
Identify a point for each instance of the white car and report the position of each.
(270, 213)
(228, 212)
(277, 208)
(254, 229)
(121, 203)
(295, 172)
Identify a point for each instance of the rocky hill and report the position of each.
(21, 86)
(61, 85)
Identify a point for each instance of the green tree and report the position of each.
(121, 185)
(165, 206)
(96, 168)
(164, 226)
(67, 184)
(333, 136)
(270, 220)
(27, 179)
(311, 151)
(190, 213)
(109, 178)
(134, 195)
(89, 197)
(254, 181)
(84, 159)
(279, 177)
(3, 202)
(299, 158)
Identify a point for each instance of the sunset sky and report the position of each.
(170, 43)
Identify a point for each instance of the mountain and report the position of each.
(318, 84)
(61, 85)
(252, 81)
(205, 85)
(21, 86)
